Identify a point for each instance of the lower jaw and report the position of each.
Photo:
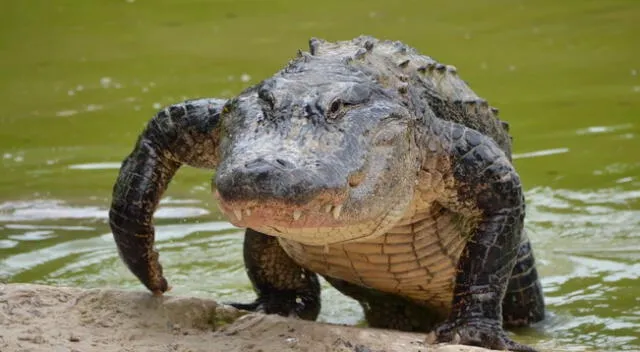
(318, 236)
(310, 228)
(312, 224)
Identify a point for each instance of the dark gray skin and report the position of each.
(343, 147)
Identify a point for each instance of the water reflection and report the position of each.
(586, 244)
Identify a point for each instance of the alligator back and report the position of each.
(425, 85)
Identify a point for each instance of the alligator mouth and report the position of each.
(318, 223)
(249, 215)
(312, 224)
(276, 214)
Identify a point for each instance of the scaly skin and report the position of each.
(367, 163)
(180, 134)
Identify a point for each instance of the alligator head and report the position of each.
(312, 154)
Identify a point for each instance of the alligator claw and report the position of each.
(280, 304)
(163, 288)
(481, 333)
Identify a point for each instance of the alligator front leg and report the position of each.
(185, 133)
(283, 287)
(482, 185)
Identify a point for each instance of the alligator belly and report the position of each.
(416, 260)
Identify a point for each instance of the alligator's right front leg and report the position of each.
(185, 133)
(283, 287)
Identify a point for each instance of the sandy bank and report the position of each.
(46, 318)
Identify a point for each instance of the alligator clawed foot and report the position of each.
(285, 305)
(481, 333)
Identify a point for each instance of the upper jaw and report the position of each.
(252, 213)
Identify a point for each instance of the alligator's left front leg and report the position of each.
(482, 184)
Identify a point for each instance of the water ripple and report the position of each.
(56, 209)
(586, 245)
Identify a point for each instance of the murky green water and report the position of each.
(80, 78)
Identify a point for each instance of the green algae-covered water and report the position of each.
(80, 78)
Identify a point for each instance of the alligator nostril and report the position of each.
(265, 164)
(255, 163)
(284, 163)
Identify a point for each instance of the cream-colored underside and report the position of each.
(416, 259)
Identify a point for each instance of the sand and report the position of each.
(65, 319)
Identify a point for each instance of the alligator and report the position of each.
(364, 162)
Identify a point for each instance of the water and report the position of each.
(80, 80)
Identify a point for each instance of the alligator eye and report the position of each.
(334, 108)
(267, 96)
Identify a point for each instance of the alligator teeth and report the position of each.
(238, 213)
(327, 208)
(297, 214)
(336, 211)
(247, 212)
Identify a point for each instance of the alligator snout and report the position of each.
(264, 180)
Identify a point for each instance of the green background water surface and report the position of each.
(80, 78)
